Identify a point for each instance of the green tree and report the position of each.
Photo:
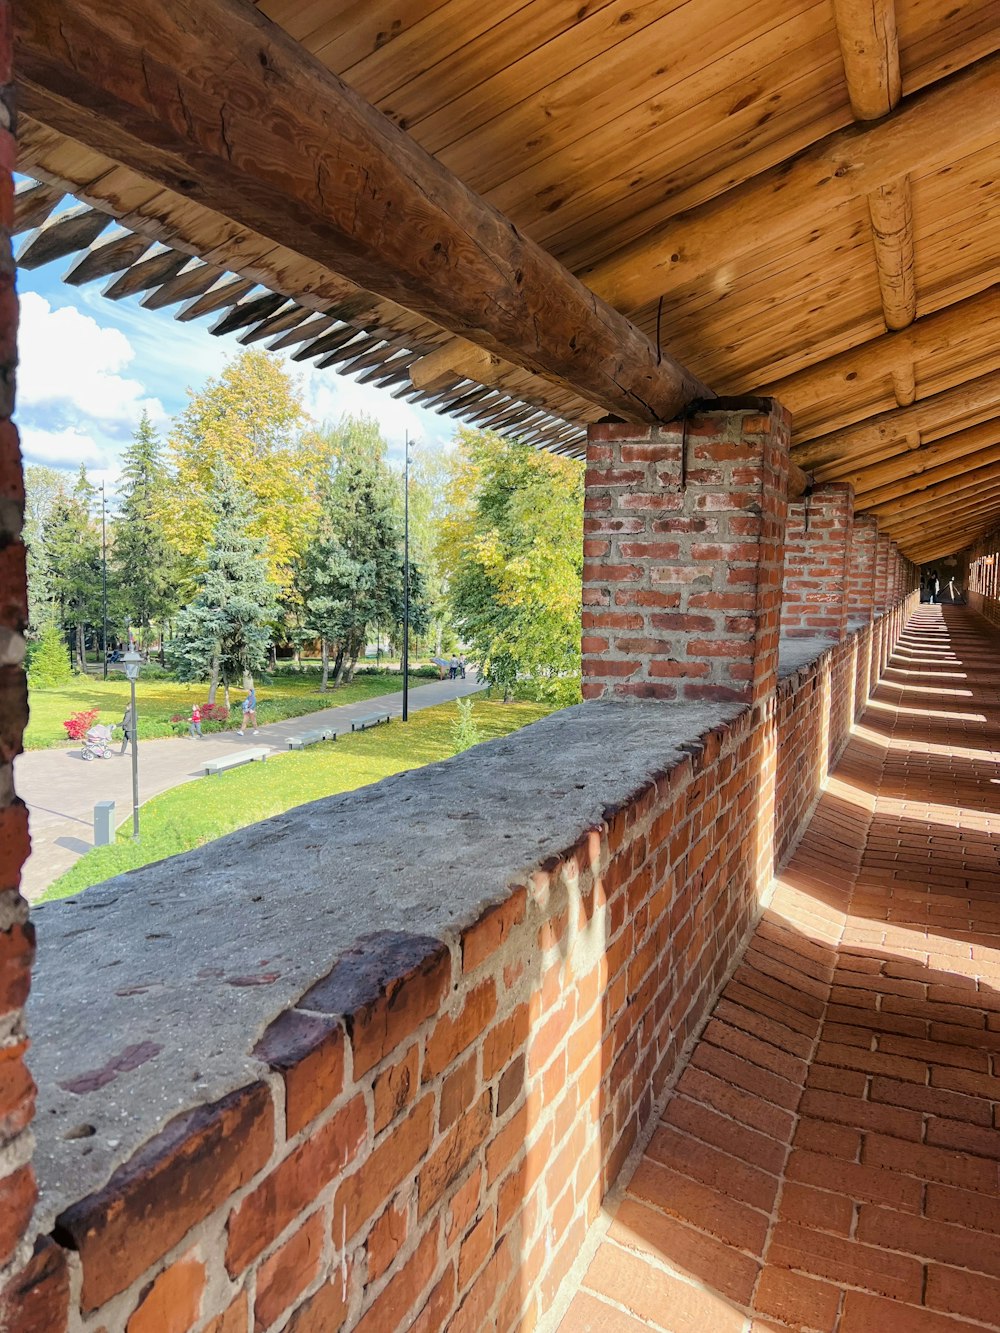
(73, 558)
(50, 665)
(250, 417)
(145, 565)
(513, 546)
(43, 488)
(330, 582)
(224, 633)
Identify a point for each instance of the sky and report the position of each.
(88, 367)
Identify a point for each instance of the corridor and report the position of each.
(829, 1159)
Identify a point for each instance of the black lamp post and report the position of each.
(133, 664)
(104, 586)
(406, 582)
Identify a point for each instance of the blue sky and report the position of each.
(88, 367)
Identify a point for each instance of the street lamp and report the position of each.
(133, 663)
(406, 582)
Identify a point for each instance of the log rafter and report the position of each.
(870, 51)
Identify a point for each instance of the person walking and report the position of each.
(461, 666)
(250, 712)
(453, 668)
(126, 728)
(195, 725)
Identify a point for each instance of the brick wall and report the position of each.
(443, 1117)
(17, 1184)
(684, 527)
(864, 542)
(815, 591)
(982, 580)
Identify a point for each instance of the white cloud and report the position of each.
(66, 448)
(70, 365)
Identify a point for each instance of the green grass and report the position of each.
(158, 700)
(199, 811)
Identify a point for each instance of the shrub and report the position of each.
(78, 724)
(50, 664)
(214, 713)
(464, 732)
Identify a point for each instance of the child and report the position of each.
(195, 725)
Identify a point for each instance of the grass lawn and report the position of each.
(198, 811)
(157, 700)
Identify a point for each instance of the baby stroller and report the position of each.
(97, 743)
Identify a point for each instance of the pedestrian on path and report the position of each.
(127, 729)
(195, 725)
(453, 668)
(461, 666)
(250, 712)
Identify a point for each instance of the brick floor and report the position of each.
(830, 1157)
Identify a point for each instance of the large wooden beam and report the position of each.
(892, 234)
(870, 51)
(916, 484)
(208, 98)
(953, 512)
(951, 118)
(868, 365)
(931, 490)
(917, 461)
(896, 431)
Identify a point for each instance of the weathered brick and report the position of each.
(492, 929)
(36, 1299)
(173, 1302)
(308, 1052)
(404, 1145)
(453, 1035)
(293, 1267)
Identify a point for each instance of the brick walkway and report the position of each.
(830, 1157)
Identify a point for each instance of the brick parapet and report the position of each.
(864, 546)
(17, 1091)
(818, 563)
(684, 530)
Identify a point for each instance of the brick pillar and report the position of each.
(882, 561)
(684, 529)
(816, 585)
(864, 544)
(17, 1182)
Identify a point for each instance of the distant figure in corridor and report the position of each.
(933, 584)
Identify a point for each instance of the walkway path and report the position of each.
(60, 790)
(828, 1160)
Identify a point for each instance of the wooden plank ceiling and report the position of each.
(789, 196)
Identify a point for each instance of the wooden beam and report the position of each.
(916, 484)
(33, 202)
(881, 476)
(869, 364)
(62, 235)
(932, 490)
(951, 118)
(953, 510)
(457, 360)
(208, 98)
(891, 432)
(892, 234)
(870, 51)
(904, 383)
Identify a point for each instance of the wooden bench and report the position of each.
(372, 720)
(234, 760)
(312, 737)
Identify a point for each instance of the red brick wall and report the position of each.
(864, 541)
(443, 1119)
(683, 529)
(17, 1184)
(815, 591)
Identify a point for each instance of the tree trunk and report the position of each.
(213, 681)
(339, 665)
(248, 680)
(273, 658)
(225, 693)
(81, 650)
(163, 644)
(297, 656)
(351, 668)
(324, 679)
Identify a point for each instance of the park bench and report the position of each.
(234, 760)
(312, 737)
(372, 720)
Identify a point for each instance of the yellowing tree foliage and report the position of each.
(251, 418)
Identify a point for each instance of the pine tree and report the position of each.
(225, 632)
(144, 563)
(50, 665)
(43, 488)
(73, 557)
(329, 581)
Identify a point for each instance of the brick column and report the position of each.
(864, 544)
(882, 561)
(684, 529)
(17, 1182)
(816, 585)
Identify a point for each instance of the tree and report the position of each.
(43, 488)
(73, 557)
(513, 545)
(360, 537)
(50, 665)
(144, 562)
(251, 418)
(224, 632)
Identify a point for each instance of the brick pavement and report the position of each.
(829, 1159)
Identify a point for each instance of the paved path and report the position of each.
(829, 1157)
(61, 790)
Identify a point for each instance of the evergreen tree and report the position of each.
(224, 633)
(144, 563)
(73, 558)
(329, 581)
(43, 488)
(50, 665)
(513, 544)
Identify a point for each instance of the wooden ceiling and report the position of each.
(785, 196)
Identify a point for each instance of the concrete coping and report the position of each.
(151, 991)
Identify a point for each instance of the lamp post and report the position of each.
(104, 585)
(406, 582)
(133, 663)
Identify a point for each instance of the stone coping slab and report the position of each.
(151, 990)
